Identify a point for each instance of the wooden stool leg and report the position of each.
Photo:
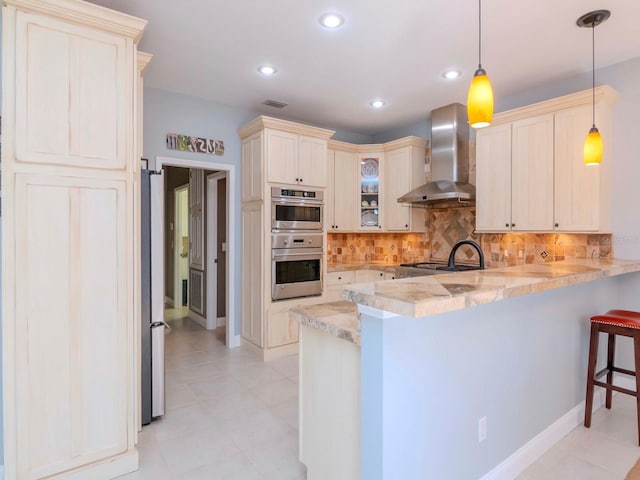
(636, 351)
(611, 353)
(591, 371)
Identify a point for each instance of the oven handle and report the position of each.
(299, 201)
(316, 254)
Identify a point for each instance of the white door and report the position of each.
(397, 182)
(212, 250)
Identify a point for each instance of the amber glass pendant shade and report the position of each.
(593, 148)
(480, 100)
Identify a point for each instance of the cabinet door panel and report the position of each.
(532, 173)
(577, 186)
(313, 162)
(196, 219)
(493, 178)
(282, 152)
(252, 170)
(345, 178)
(281, 330)
(252, 273)
(72, 296)
(70, 99)
(397, 182)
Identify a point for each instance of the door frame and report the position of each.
(212, 241)
(157, 239)
(177, 247)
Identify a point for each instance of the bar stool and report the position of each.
(614, 322)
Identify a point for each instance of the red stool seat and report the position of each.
(614, 322)
(622, 318)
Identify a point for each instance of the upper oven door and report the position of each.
(296, 214)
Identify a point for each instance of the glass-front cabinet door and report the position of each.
(370, 194)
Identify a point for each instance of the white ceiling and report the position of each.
(395, 50)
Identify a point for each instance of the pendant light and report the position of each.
(593, 144)
(480, 96)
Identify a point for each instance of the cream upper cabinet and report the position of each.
(532, 174)
(69, 256)
(341, 191)
(282, 157)
(403, 171)
(548, 187)
(296, 159)
(493, 178)
(576, 184)
(312, 162)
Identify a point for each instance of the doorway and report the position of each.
(224, 275)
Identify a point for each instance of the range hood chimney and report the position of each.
(449, 159)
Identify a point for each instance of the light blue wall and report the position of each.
(421, 128)
(166, 112)
(519, 362)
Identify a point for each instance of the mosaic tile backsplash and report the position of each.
(446, 226)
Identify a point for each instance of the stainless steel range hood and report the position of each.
(449, 159)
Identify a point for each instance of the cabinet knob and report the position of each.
(301, 180)
(513, 224)
(506, 224)
(336, 226)
(382, 274)
(556, 225)
(339, 278)
(406, 226)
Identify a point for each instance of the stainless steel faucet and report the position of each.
(451, 264)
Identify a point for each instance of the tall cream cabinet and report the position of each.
(283, 153)
(69, 182)
(530, 174)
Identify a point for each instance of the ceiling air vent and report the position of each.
(274, 103)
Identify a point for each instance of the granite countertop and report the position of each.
(367, 265)
(340, 319)
(422, 296)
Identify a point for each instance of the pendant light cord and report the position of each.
(479, 33)
(593, 73)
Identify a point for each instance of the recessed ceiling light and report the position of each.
(451, 74)
(377, 103)
(267, 70)
(331, 20)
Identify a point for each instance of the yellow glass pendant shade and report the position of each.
(480, 100)
(593, 148)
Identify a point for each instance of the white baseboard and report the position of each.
(209, 324)
(234, 341)
(221, 321)
(538, 446)
(169, 301)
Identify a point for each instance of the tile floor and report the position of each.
(229, 416)
(606, 451)
(232, 417)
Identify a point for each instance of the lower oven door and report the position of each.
(296, 274)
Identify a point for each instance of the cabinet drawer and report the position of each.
(340, 278)
(363, 276)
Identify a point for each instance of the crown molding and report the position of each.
(84, 13)
(410, 141)
(604, 94)
(342, 146)
(143, 60)
(262, 122)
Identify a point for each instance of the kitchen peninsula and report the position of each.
(411, 368)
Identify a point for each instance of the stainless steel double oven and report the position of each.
(296, 243)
